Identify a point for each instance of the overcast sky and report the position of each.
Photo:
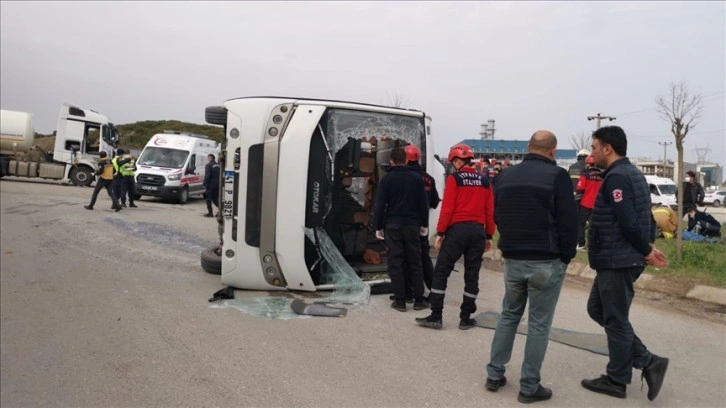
(527, 65)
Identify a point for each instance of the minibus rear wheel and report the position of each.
(212, 260)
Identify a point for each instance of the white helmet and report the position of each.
(583, 152)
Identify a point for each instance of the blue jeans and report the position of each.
(540, 282)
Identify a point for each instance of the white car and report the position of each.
(715, 198)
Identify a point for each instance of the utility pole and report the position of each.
(665, 161)
(599, 117)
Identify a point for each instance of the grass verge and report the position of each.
(701, 263)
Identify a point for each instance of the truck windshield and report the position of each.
(163, 157)
(667, 189)
(110, 135)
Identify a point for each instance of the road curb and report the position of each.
(646, 281)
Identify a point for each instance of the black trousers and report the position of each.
(127, 187)
(583, 216)
(107, 184)
(212, 196)
(609, 305)
(468, 239)
(427, 265)
(404, 260)
(118, 187)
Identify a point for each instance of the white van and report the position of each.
(662, 191)
(290, 164)
(172, 165)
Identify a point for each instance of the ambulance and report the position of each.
(171, 166)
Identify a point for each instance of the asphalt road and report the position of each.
(101, 309)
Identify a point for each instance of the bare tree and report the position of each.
(580, 141)
(396, 99)
(681, 107)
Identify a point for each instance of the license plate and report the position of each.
(228, 197)
(152, 188)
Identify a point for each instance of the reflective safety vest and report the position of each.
(128, 169)
(107, 169)
(114, 161)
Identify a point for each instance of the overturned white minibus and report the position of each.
(293, 163)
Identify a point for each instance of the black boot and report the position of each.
(467, 323)
(432, 322)
(654, 374)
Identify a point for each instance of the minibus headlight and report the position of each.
(176, 176)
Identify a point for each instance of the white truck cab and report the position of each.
(81, 135)
(662, 191)
(290, 164)
(172, 165)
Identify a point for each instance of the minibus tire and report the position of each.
(211, 262)
(216, 115)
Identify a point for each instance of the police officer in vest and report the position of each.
(118, 179)
(465, 227)
(576, 169)
(619, 248)
(127, 171)
(105, 180)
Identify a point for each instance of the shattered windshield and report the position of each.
(372, 127)
(378, 134)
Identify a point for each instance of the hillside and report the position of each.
(135, 135)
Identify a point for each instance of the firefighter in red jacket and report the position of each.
(465, 227)
(587, 187)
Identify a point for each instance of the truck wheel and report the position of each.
(184, 195)
(81, 176)
(716, 203)
(212, 260)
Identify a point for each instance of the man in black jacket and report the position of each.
(702, 223)
(618, 249)
(535, 211)
(402, 209)
(693, 193)
(413, 158)
(211, 184)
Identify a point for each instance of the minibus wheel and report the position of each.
(212, 260)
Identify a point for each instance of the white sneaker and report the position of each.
(581, 248)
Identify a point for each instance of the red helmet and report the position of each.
(412, 153)
(461, 151)
(590, 160)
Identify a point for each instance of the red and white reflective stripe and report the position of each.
(192, 179)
